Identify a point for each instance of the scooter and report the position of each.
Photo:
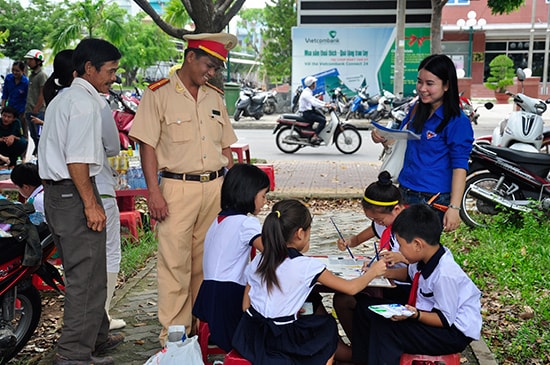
(468, 108)
(504, 179)
(296, 98)
(522, 130)
(389, 103)
(363, 105)
(21, 304)
(250, 104)
(124, 108)
(339, 99)
(270, 105)
(294, 132)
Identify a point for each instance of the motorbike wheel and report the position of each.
(349, 140)
(258, 116)
(237, 115)
(269, 107)
(27, 316)
(285, 134)
(478, 212)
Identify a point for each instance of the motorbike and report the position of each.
(504, 179)
(294, 132)
(339, 99)
(250, 104)
(21, 305)
(523, 129)
(270, 105)
(296, 98)
(468, 108)
(389, 105)
(363, 105)
(124, 108)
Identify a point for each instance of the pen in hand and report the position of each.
(376, 255)
(342, 237)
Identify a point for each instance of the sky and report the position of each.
(254, 3)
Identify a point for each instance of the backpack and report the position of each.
(22, 230)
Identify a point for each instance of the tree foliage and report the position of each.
(28, 27)
(504, 6)
(176, 14)
(252, 20)
(209, 16)
(280, 17)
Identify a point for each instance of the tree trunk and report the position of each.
(435, 38)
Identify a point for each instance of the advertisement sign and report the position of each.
(355, 57)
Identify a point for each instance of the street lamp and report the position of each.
(473, 24)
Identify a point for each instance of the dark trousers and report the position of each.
(34, 129)
(17, 149)
(314, 116)
(85, 322)
(377, 340)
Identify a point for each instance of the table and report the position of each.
(126, 198)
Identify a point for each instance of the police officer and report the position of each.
(184, 132)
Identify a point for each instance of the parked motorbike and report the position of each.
(295, 132)
(504, 179)
(468, 108)
(250, 104)
(389, 105)
(363, 105)
(339, 99)
(296, 98)
(21, 304)
(124, 108)
(270, 105)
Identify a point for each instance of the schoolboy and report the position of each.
(444, 301)
(29, 184)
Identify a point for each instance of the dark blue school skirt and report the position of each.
(220, 304)
(309, 340)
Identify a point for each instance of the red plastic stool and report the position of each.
(233, 358)
(241, 149)
(204, 334)
(131, 219)
(408, 359)
(270, 171)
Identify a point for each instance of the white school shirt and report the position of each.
(37, 199)
(227, 247)
(307, 101)
(72, 132)
(445, 288)
(297, 275)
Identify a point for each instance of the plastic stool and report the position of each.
(268, 169)
(204, 335)
(233, 358)
(241, 150)
(451, 359)
(131, 219)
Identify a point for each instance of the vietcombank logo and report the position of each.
(330, 39)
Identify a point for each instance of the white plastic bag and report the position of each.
(393, 157)
(186, 352)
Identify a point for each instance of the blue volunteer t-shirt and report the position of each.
(429, 161)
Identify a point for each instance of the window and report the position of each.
(463, 2)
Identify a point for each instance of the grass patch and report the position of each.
(510, 264)
(135, 254)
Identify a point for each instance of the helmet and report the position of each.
(310, 80)
(35, 53)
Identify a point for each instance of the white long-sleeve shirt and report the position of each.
(308, 101)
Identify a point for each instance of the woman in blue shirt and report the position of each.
(438, 161)
(16, 86)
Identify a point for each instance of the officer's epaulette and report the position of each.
(215, 88)
(155, 85)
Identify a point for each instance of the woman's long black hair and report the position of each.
(442, 67)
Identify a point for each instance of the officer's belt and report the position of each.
(205, 177)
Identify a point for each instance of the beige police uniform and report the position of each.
(188, 137)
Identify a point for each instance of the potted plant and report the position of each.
(501, 70)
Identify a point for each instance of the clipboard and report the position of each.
(348, 268)
(395, 134)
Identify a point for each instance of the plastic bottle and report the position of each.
(19, 160)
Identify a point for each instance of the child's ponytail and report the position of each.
(286, 217)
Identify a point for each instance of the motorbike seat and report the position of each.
(294, 119)
(539, 163)
(399, 102)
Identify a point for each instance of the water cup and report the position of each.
(176, 333)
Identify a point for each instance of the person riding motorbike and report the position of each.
(307, 105)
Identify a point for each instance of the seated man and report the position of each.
(307, 105)
(12, 142)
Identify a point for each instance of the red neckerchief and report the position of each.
(385, 239)
(414, 289)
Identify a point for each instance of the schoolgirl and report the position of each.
(444, 301)
(279, 280)
(227, 248)
(382, 202)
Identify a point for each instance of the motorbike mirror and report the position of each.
(548, 101)
(520, 74)
(488, 105)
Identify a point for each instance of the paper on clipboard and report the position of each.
(348, 268)
(395, 134)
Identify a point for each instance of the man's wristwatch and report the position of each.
(453, 207)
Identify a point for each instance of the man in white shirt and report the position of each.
(71, 154)
(307, 105)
